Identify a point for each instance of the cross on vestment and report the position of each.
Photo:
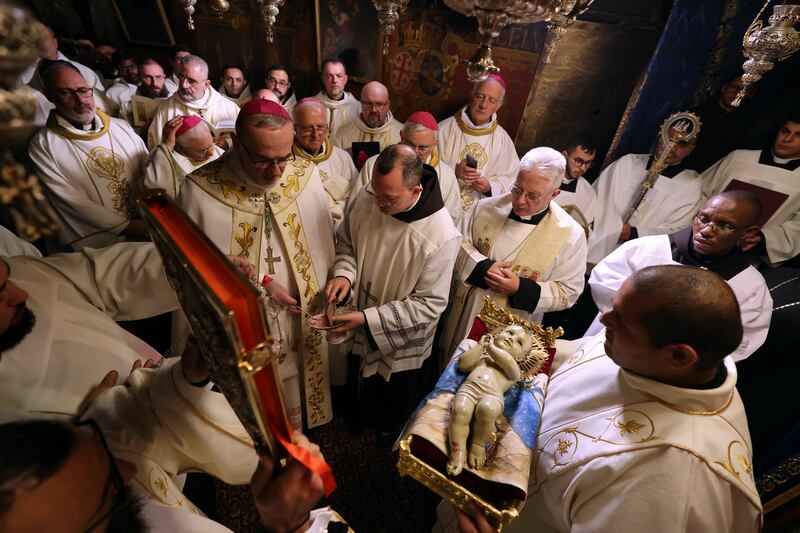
(271, 260)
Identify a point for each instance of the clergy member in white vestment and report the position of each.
(30, 76)
(261, 203)
(277, 80)
(473, 131)
(375, 123)
(312, 143)
(713, 242)
(577, 197)
(420, 132)
(642, 427)
(126, 85)
(140, 437)
(769, 174)
(520, 248)
(667, 207)
(88, 164)
(395, 252)
(234, 86)
(195, 96)
(343, 107)
(186, 145)
(75, 299)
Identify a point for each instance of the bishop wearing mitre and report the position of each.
(261, 203)
(195, 96)
(479, 149)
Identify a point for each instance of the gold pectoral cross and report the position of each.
(271, 260)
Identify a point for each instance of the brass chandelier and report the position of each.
(494, 15)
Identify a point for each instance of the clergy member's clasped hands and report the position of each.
(501, 280)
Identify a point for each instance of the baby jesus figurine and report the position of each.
(494, 366)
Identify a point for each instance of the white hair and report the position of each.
(187, 60)
(478, 85)
(546, 161)
(307, 103)
(410, 127)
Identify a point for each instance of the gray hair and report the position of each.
(271, 122)
(397, 155)
(410, 127)
(187, 60)
(310, 102)
(546, 161)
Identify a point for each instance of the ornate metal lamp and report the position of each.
(389, 12)
(270, 10)
(220, 7)
(763, 46)
(493, 15)
(20, 193)
(188, 8)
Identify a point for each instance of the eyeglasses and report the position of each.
(263, 162)
(279, 83)
(420, 149)
(321, 129)
(374, 105)
(82, 92)
(516, 191)
(481, 97)
(382, 201)
(722, 227)
(582, 162)
(114, 476)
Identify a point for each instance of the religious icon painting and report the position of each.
(349, 30)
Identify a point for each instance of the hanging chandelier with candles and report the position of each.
(269, 12)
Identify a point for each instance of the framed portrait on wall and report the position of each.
(144, 22)
(349, 30)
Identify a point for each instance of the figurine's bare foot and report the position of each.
(477, 456)
(456, 464)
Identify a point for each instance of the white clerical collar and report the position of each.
(782, 161)
(95, 125)
(412, 206)
(567, 181)
(468, 121)
(530, 217)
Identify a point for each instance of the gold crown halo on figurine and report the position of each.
(533, 361)
(495, 318)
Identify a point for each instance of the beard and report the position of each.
(84, 116)
(129, 518)
(16, 332)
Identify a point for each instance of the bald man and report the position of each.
(195, 96)
(312, 143)
(714, 242)
(481, 151)
(643, 428)
(375, 123)
(267, 94)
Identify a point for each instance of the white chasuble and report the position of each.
(287, 232)
(550, 254)
(337, 172)
(340, 112)
(782, 185)
(668, 207)
(491, 147)
(399, 268)
(211, 107)
(448, 184)
(357, 131)
(77, 298)
(243, 98)
(579, 199)
(621, 452)
(167, 169)
(747, 283)
(88, 176)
